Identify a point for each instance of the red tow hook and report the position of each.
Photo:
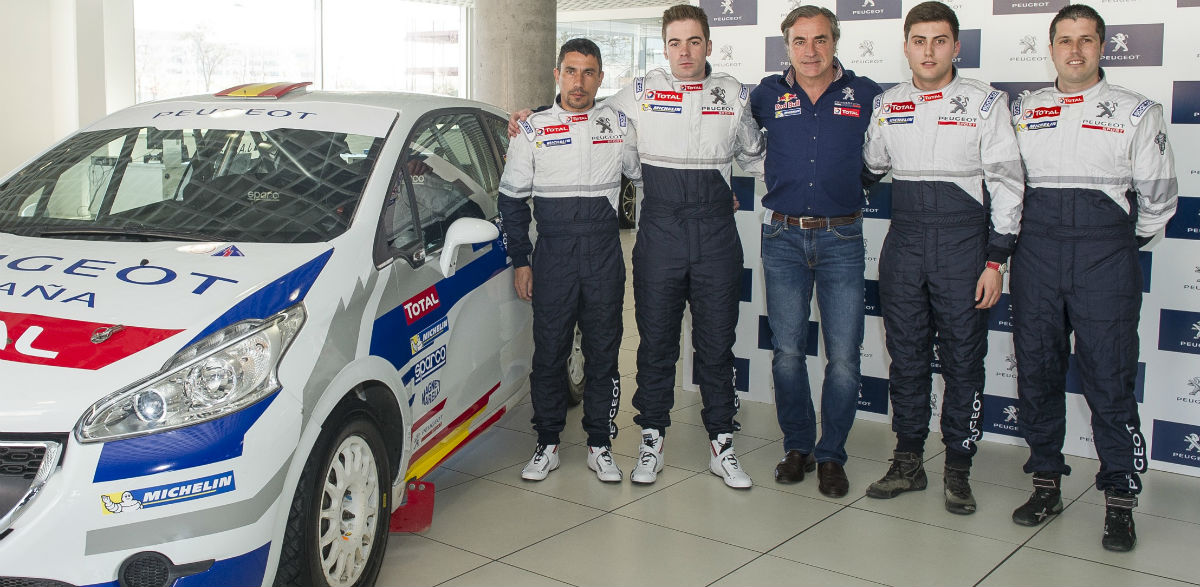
(416, 513)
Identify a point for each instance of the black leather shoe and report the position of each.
(793, 466)
(833, 481)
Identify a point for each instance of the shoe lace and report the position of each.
(647, 458)
(957, 483)
(605, 457)
(539, 454)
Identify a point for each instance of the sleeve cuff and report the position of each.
(520, 261)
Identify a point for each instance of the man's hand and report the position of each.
(523, 282)
(987, 290)
(513, 129)
(736, 204)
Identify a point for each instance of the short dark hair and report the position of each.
(931, 12)
(810, 11)
(582, 46)
(685, 12)
(1078, 12)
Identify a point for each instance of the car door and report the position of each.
(459, 331)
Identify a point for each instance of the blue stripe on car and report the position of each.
(271, 298)
(245, 569)
(184, 448)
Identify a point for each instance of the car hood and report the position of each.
(82, 319)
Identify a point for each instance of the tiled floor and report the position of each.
(492, 528)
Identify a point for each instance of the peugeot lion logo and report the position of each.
(1120, 42)
(1195, 383)
(727, 53)
(867, 3)
(1193, 441)
(867, 48)
(1028, 44)
(1010, 414)
(1160, 139)
(1107, 109)
(605, 125)
(1012, 362)
(960, 104)
(848, 94)
(726, 6)
(1196, 327)
(718, 95)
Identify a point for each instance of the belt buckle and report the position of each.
(808, 222)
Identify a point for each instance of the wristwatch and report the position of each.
(1001, 268)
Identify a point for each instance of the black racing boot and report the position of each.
(1118, 520)
(959, 499)
(1045, 501)
(905, 474)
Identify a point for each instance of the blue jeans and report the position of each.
(793, 259)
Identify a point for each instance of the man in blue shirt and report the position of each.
(815, 115)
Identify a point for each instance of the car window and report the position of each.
(499, 129)
(452, 174)
(282, 185)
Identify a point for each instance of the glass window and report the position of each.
(630, 47)
(283, 185)
(452, 172)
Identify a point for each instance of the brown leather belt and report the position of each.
(816, 221)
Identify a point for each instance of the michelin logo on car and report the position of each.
(126, 501)
(419, 340)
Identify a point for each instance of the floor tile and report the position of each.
(647, 555)
(759, 518)
(1169, 495)
(1165, 547)
(760, 463)
(686, 445)
(1034, 568)
(413, 559)
(630, 341)
(894, 551)
(494, 449)
(768, 571)
(757, 419)
(1002, 464)
(497, 574)
(574, 482)
(993, 519)
(445, 478)
(493, 519)
(627, 361)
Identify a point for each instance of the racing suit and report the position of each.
(1101, 181)
(956, 170)
(688, 248)
(571, 165)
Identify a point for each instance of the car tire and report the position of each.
(627, 202)
(346, 479)
(575, 376)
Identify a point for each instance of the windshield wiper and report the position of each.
(133, 232)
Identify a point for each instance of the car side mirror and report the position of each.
(464, 231)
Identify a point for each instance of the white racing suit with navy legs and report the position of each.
(956, 204)
(1100, 182)
(688, 250)
(570, 163)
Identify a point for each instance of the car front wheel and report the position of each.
(337, 527)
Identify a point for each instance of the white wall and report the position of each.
(67, 63)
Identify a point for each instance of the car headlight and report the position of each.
(223, 373)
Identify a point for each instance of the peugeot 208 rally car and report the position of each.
(233, 328)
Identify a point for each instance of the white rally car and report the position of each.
(233, 328)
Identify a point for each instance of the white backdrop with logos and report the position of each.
(1151, 48)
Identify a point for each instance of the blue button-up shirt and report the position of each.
(814, 151)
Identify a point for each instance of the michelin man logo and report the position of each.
(848, 94)
(726, 6)
(1010, 414)
(866, 48)
(127, 503)
(960, 104)
(718, 95)
(1012, 362)
(1107, 109)
(1193, 441)
(1028, 44)
(1195, 383)
(1120, 42)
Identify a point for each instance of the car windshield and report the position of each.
(277, 186)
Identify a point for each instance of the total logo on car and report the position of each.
(235, 328)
